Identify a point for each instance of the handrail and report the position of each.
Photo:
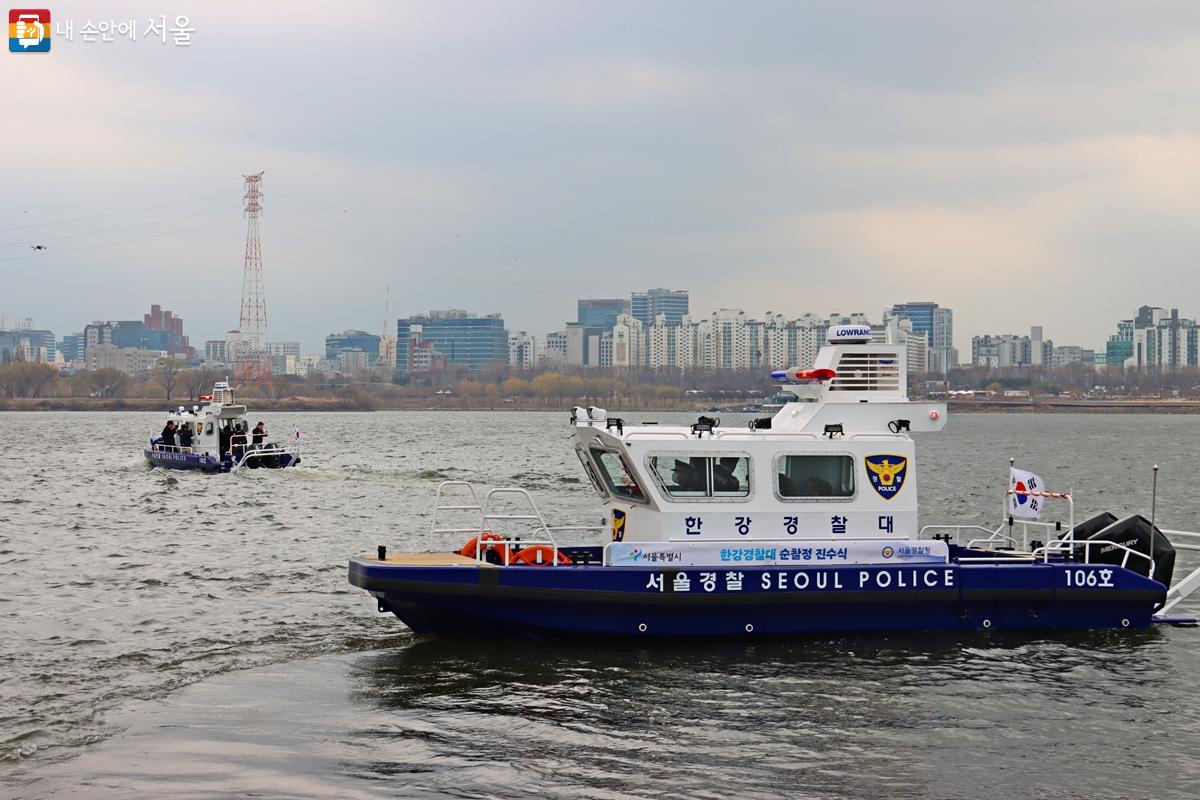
(437, 506)
(1069, 545)
(260, 451)
(486, 515)
(536, 516)
(169, 448)
(993, 536)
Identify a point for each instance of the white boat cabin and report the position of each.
(212, 421)
(838, 464)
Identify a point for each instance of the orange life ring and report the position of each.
(540, 555)
(471, 548)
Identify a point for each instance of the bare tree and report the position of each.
(25, 379)
(167, 372)
(38, 376)
(106, 382)
(197, 380)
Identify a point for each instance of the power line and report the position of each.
(116, 213)
(124, 241)
(120, 228)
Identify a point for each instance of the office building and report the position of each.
(336, 343)
(936, 324)
(554, 348)
(73, 346)
(215, 352)
(646, 306)
(283, 349)
(600, 313)
(27, 343)
(463, 339)
(522, 350)
(164, 328)
(133, 361)
(352, 361)
(387, 351)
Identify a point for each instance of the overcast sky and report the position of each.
(1021, 163)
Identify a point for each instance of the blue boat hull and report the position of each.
(641, 601)
(206, 463)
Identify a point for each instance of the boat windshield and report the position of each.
(591, 473)
(617, 475)
(812, 476)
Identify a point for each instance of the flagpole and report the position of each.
(1153, 503)
(1007, 515)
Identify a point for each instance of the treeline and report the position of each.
(1079, 379)
(556, 387)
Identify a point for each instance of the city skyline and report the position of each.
(1116, 327)
(513, 160)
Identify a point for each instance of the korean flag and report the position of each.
(1020, 502)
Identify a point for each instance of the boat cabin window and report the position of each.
(815, 476)
(617, 475)
(689, 476)
(591, 473)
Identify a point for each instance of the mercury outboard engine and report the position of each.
(1133, 532)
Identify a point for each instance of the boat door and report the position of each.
(206, 439)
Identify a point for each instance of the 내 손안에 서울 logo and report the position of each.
(29, 30)
(887, 474)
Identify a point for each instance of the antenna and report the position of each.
(387, 298)
(253, 362)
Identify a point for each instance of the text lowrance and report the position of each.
(867, 579)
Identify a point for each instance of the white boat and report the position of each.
(804, 522)
(214, 423)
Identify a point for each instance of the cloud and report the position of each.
(607, 83)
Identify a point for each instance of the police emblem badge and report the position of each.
(887, 474)
(618, 525)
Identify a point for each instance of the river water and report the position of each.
(184, 635)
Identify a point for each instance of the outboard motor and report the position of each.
(1133, 532)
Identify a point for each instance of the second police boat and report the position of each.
(804, 522)
(213, 425)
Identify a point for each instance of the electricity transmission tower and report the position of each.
(253, 362)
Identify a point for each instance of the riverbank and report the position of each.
(1073, 406)
(159, 404)
(303, 404)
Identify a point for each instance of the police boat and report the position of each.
(800, 523)
(215, 447)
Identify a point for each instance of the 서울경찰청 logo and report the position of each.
(29, 30)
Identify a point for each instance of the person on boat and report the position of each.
(223, 437)
(168, 435)
(237, 442)
(723, 478)
(259, 434)
(185, 437)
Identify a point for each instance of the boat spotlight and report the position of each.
(834, 429)
(897, 425)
